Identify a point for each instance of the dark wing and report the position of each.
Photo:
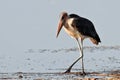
(85, 27)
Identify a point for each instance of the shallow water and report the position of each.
(39, 64)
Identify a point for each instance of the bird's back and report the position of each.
(85, 27)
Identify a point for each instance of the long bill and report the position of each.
(60, 25)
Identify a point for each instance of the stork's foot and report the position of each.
(83, 73)
(68, 71)
(77, 73)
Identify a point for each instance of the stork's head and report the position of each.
(63, 17)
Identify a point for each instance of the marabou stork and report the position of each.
(78, 28)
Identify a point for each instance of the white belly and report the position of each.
(72, 31)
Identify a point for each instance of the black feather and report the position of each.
(84, 26)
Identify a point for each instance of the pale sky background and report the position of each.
(32, 24)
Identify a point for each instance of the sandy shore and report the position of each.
(111, 75)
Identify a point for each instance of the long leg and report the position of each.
(80, 49)
(82, 57)
(69, 69)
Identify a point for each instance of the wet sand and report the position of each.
(112, 75)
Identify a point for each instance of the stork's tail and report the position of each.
(96, 40)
